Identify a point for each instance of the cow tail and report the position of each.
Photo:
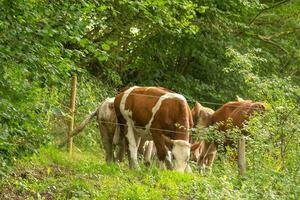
(82, 125)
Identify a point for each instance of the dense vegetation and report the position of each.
(209, 51)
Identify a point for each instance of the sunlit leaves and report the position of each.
(105, 46)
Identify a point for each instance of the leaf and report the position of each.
(102, 57)
(105, 46)
(102, 8)
(202, 9)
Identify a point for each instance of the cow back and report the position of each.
(234, 114)
(155, 108)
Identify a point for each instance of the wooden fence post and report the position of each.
(241, 156)
(72, 113)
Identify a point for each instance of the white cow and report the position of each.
(107, 123)
(106, 118)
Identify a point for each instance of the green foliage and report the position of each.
(35, 69)
(208, 51)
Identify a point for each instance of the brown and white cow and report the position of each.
(156, 114)
(204, 152)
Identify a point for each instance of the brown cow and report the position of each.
(231, 114)
(234, 114)
(202, 115)
(204, 152)
(158, 114)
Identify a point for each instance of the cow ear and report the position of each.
(196, 145)
(198, 105)
(239, 99)
(168, 141)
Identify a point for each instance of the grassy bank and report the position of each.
(53, 174)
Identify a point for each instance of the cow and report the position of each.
(147, 149)
(235, 114)
(107, 124)
(203, 152)
(157, 114)
(230, 115)
(106, 118)
(202, 115)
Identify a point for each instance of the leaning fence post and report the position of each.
(241, 156)
(72, 112)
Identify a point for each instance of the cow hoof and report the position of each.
(133, 164)
(147, 163)
(109, 160)
(188, 169)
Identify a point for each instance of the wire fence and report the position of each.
(246, 104)
(143, 127)
(190, 101)
(188, 129)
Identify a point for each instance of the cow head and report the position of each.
(180, 151)
(202, 116)
(258, 106)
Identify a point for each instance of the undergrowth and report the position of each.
(54, 174)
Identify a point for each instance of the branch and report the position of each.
(280, 34)
(268, 40)
(268, 8)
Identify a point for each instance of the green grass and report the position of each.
(53, 174)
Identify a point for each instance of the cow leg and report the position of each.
(138, 141)
(122, 143)
(188, 169)
(148, 152)
(168, 160)
(107, 144)
(121, 150)
(142, 146)
(211, 156)
(165, 163)
(201, 164)
(209, 161)
(132, 147)
(162, 151)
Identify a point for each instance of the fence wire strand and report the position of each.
(178, 99)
